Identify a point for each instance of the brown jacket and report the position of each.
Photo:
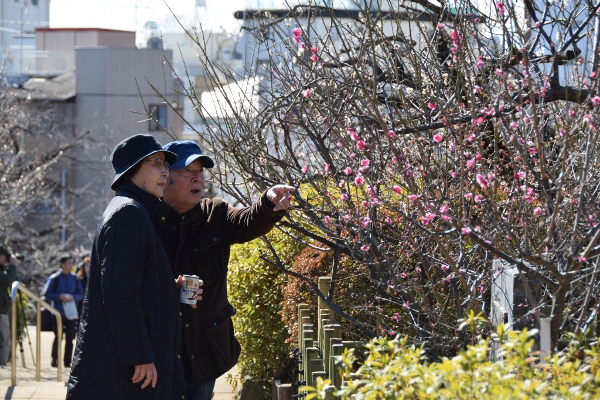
(198, 243)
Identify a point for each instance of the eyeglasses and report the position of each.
(159, 162)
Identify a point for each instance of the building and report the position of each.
(19, 19)
(109, 94)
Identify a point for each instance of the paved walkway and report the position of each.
(49, 388)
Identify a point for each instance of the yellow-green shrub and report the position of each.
(393, 370)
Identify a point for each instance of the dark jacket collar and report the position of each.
(156, 208)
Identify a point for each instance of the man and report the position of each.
(64, 287)
(8, 274)
(197, 239)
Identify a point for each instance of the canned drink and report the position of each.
(189, 285)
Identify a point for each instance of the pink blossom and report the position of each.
(389, 221)
(571, 113)
(478, 88)
(596, 100)
(352, 155)
(297, 32)
(307, 93)
(468, 196)
(359, 180)
(519, 175)
(418, 270)
(314, 58)
(438, 138)
(466, 230)
(445, 267)
(348, 171)
(304, 169)
(361, 144)
(532, 150)
(365, 221)
(365, 203)
(365, 162)
(470, 163)
(446, 217)
(313, 49)
(403, 275)
(476, 20)
(340, 144)
(498, 72)
(365, 247)
(479, 63)
(482, 181)
(500, 6)
(478, 199)
(582, 259)
(514, 125)
(327, 167)
(327, 220)
(344, 196)
(455, 36)
(391, 133)
(444, 209)
(441, 25)
(412, 197)
(302, 45)
(431, 105)
(561, 132)
(537, 211)
(353, 134)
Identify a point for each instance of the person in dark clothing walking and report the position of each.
(129, 340)
(8, 274)
(63, 286)
(197, 238)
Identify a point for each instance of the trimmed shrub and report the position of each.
(255, 291)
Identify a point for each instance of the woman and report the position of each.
(129, 341)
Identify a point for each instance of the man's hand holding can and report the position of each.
(189, 289)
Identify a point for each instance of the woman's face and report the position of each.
(152, 175)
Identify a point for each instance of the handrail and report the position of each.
(39, 303)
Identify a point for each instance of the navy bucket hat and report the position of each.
(187, 152)
(134, 149)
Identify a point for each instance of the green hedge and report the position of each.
(255, 291)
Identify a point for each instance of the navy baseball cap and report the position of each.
(187, 152)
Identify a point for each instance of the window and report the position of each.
(159, 117)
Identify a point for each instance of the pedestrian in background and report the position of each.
(63, 289)
(8, 274)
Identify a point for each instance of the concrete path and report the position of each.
(48, 388)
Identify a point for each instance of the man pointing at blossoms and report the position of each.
(197, 238)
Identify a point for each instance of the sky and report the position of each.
(133, 14)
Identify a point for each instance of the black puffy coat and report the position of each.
(199, 244)
(131, 312)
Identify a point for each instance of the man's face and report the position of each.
(67, 266)
(185, 186)
(3, 259)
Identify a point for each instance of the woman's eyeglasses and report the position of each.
(159, 162)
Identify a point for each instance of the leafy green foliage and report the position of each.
(255, 291)
(395, 370)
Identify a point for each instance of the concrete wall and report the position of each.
(109, 105)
